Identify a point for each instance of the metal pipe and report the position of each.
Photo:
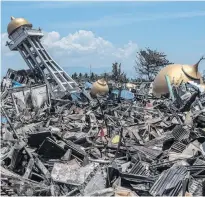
(100, 161)
(169, 87)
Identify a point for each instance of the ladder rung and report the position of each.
(56, 72)
(40, 49)
(69, 82)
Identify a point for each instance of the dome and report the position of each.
(16, 23)
(99, 87)
(177, 73)
(191, 71)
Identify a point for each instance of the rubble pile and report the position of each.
(103, 146)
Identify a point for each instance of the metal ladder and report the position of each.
(49, 66)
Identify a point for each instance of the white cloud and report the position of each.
(83, 48)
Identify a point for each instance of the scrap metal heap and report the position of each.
(102, 146)
(59, 141)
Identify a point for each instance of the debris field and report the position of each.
(109, 145)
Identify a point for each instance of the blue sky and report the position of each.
(78, 34)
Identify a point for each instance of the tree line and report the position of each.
(116, 75)
(147, 65)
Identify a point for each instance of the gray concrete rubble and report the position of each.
(80, 145)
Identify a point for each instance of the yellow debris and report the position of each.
(116, 139)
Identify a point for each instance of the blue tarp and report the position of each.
(87, 85)
(3, 120)
(125, 94)
(78, 97)
(75, 96)
(16, 84)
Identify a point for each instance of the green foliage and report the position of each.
(74, 75)
(149, 63)
(117, 74)
(86, 75)
(92, 77)
(80, 75)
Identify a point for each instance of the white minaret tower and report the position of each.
(27, 41)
